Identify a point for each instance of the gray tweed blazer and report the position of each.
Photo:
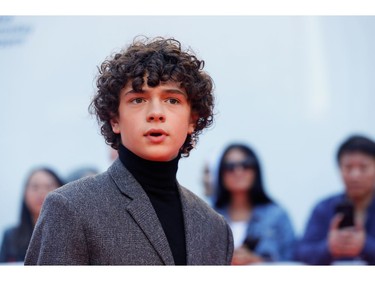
(108, 220)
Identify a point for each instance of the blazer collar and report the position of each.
(141, 209)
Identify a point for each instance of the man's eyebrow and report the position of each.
(132, 91)
(175, 91)
(169, 91)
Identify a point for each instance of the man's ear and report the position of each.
(115, 125)
(192, 123)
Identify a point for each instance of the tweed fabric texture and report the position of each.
(108, 219)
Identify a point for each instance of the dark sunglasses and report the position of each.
(231, 166)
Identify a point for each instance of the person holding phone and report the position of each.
(341, 228)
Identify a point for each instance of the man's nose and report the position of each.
(156, 112)
(355, 173)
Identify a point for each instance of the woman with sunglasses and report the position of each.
(262, 230)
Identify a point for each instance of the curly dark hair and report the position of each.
(160, 60)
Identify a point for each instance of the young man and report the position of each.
(326, 239)
(153, 101)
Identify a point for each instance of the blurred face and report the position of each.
(238, 175)
(154, 122)
(39, 185)
(358, 173)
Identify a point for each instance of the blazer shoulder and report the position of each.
(207, 231)
(86, 189)
(199, 205)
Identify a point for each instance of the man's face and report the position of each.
(155, 121)
(358, 173)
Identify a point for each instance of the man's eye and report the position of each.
(173, 101)
(137, 100)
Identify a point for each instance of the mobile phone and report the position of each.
(251, 243)
(346, 208)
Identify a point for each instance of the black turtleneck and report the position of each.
(158, 179)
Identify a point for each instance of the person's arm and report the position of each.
(277, 242)
(287, 238)
(368, 252)
(58, 237)
(313, 247)
(4, 248)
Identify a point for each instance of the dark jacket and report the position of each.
(12, 248)
(313, 247)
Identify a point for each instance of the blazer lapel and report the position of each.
(142, 210)
(145, 216)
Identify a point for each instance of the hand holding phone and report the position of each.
(251, 242)
(346, 208)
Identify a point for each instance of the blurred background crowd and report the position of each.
(290, 92)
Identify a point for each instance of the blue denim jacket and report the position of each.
(272, 226)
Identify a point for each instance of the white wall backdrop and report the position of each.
(291, 87)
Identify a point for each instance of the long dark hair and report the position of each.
(256, 194)
(24, 229)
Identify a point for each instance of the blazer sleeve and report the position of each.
(58, 237)
(230, 245)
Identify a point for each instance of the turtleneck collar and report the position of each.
(150, 174)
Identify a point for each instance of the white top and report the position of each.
(239, 232)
